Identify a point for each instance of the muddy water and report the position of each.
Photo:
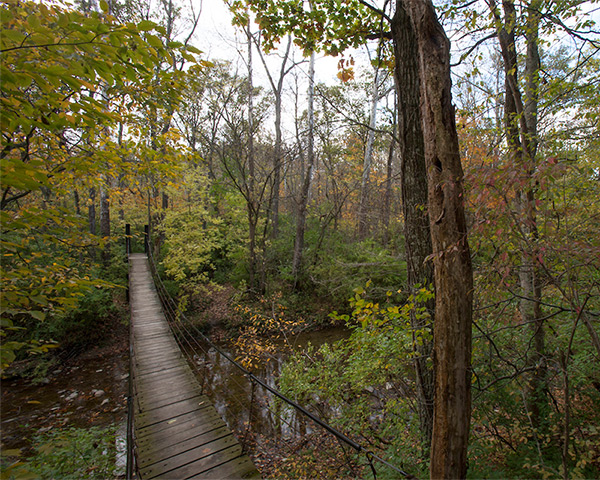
(244, 406)
(89, 392)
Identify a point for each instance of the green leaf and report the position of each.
(146, 25)
(154, 41)
(193, 49)
(38, 315)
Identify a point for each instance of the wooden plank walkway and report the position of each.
(178, 432)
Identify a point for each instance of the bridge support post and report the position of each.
(127, 253)
(146, 239)
(127, 239)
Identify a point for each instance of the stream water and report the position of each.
(282, 442)
(239, 403)
(90, 391)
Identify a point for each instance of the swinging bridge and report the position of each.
(174, 431)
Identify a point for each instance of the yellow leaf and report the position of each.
(13, 452)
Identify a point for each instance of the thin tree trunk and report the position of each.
(277, 167)
(77, 202)
(92, 211)
(363, 226)
(521, 133)
(387, 199)
(302, 206)
(104, 212)
(250, 200)
(121, 186)
(278, 160)
(105, 222)
(532, 69)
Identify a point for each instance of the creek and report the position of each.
(89, 390)
(241, 404)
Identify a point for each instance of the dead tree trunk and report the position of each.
(451, 253)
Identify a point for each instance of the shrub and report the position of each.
(75, 453)
(84, 326)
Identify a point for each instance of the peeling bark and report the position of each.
(451, 254)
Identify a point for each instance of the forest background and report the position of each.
(297, 193)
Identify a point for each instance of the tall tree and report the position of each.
(451, 254)
(277, 89)
(520, 115)
(413, 174)
(310, 155)
(368, 160)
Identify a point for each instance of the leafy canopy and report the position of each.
(68, 80)
(328, 25)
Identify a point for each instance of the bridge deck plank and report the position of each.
(178, 432)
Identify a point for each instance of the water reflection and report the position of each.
(88, 392)
(248, 408)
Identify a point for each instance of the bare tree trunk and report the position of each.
(387, 199)
(277, 167)
(417, 236)
(538, 385)
(302, 206)
(77, 202)
(451, 253)
(250, 200)
(104, 212)
(278, 160)
(521, 133)
(363, 226)
(92, 211)
(120, 186)
(105, 222)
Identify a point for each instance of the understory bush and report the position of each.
(85, 326)
(75, 453)
(334, 263)
(85, 301)
(202, 244)
(364, 385)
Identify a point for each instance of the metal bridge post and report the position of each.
(146, 239)
(128, 239)
(127, 253)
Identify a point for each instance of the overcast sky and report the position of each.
(219, 40)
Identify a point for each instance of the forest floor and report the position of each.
(87, 390)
